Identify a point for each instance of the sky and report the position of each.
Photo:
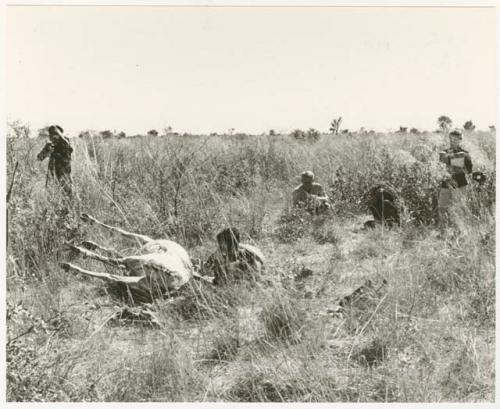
(208, 69)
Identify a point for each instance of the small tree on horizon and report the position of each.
(168, 130)
(153, 132)
(444, 123)
(87, 134)
(313, 134)
(106, 134)
(298, 134)
(335, 125)
(469, 126)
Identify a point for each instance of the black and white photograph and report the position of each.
(236, 201)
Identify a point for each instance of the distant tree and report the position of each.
(344, 131)
(402, 129)
(469, 126)
(272, 132)
(335, 125)
(153, 132)
(121, 135)
(444, 123)
(414, 131)
(492, 128)
(106, 134)
(168, 131)
(298, 134)
(313, 134)
(86, 134)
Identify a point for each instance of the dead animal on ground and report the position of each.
(163, 266)
(382, 202)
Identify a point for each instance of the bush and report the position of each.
(36, 371)
(312, 135)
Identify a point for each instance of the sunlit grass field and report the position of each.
(427, 336)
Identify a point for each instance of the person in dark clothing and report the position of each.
(382, 202)
(59, 151)
(233, 260)
(459, 164)
(457, 160)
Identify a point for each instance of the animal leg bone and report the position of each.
(95, 256)
(90, 245)
(87, 218)
(105, 276)
(203, 278)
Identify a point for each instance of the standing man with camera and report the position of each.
(59, 149)
(458, 163)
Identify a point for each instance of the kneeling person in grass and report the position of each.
(383, 202)
(233, 260)
(310, 195)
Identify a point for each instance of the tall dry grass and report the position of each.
(428, 337)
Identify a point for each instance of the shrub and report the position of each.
(311, 135)
(292, 225)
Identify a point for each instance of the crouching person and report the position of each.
(233, 260)
(310, 195)
(382, 201)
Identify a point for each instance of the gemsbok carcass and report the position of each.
(162, 267)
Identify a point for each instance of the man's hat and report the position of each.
(56, 129)
(307, 174)
(230, 234)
